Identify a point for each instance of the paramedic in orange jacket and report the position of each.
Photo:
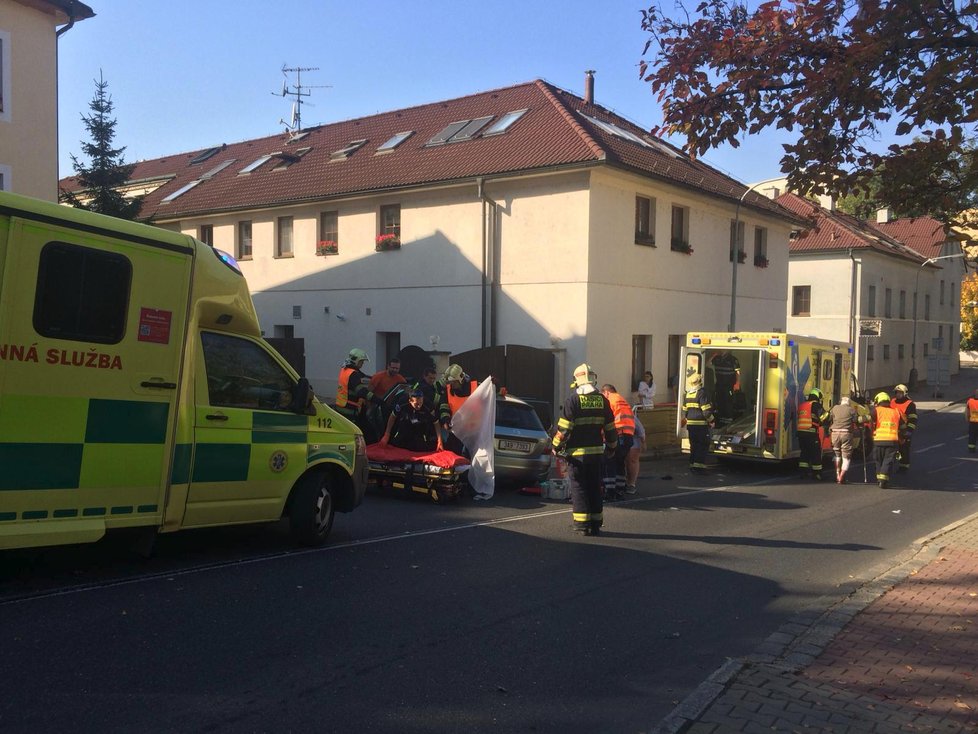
(887, 423)
(614, 478)
(971, 415)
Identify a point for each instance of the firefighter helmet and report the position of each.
(358, 355)
(584, 373)
(881, 397)
(901, 388)
(453, 373)
(694, 381)
(814, 394)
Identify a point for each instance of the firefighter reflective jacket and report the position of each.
(972, 410)
(352, 392)
(810, 416)
(697, 409)
(886, 425)
(909, 410)
(586, 425)
(624, 418)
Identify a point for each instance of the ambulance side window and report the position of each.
(81, 294)
(240, 374)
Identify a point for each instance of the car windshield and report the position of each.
(517, 415)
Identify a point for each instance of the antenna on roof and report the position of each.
(297, 91)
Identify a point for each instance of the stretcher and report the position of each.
(441, 475)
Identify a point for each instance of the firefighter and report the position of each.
(614, 487)
(843, 420)
(698, 419)
(971, 415)
(585, 434)
(726, 377)
(811, 414)
(887, 422)
(451, 390)
(902, 402)
(412, 427)
(353, 395)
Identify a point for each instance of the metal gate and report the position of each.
(526, 372)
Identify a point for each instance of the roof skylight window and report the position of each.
(205, 154)
(394, 141)
(504, 123)
(254, 165)
(619, 132)
(179, 192)
(446, 133)
(289, 158)
(217, 169)
(471, 130)
(343, 153)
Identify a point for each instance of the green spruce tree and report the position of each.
(101, 180)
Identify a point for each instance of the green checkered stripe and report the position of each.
(57, 443)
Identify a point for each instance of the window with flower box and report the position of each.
(389, 235)
(329, 234)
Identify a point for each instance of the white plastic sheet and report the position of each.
(474, 423)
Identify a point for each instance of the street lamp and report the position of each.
(736, 252)
(916, 297)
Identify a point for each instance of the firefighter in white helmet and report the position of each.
(586, 435)
(902, 402)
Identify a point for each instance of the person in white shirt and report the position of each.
(646, 391)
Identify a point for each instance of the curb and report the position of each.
(799, 641)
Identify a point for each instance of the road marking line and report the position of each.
(928, 448)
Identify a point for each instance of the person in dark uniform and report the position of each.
(811, 414)
(586, 435)
(412, 427)
(726, 374)
(902, 402)
(698, 418)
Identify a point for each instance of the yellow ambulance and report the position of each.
(136, 391)
(756, 381)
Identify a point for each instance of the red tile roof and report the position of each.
(926, 235)
(552, 134)
(837, 231)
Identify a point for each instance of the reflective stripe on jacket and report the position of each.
(586, 425)
(343, 389)
(909, 410)
(972, 408)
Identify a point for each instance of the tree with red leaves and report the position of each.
(838, 73)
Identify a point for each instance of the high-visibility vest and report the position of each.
(805, 423)
(343, 390)
(904, 408)
(972, 410)
(624, 418)
(455, 401)
(887, 424)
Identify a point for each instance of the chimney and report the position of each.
(589, 86)
(826, 202)
(884, 216)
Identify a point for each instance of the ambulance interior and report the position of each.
(732, 380)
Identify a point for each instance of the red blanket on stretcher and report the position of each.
(446, 459)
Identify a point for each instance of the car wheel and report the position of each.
(312, 511)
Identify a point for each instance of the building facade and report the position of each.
(29, 92)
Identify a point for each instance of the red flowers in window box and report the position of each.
(760, 261)
(327, 247)
(388, 242)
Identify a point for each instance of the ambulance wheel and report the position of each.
(312, 510)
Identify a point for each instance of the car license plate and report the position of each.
(522, 446)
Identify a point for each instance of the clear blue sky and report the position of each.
(190, 74)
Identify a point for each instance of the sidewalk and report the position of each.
(897, 655)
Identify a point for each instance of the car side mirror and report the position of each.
(302, 398)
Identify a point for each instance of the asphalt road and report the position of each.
(470, 617)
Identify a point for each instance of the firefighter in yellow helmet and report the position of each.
(586, 435)
(353, 395)
(902, 402)
(810, 417)
(887, 423)
(698, 418)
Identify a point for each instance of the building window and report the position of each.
(886, 351)
(644, 221)
(390, 220)
(871, 301)
(952, 295)
(903, 304)
(901, 352)
(760, 246)
(641, 357)
(388, 347)
(925, 349)
(205, 233)
(329, 234)
(4, 76)
(941, 303)
(283, 237)
(737, 241)
(870, 353)
(243, 250)
(679, 238)
(927, 307)
(888, 303)
(801, 300)
(6, 184)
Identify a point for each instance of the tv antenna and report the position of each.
(297, 91)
